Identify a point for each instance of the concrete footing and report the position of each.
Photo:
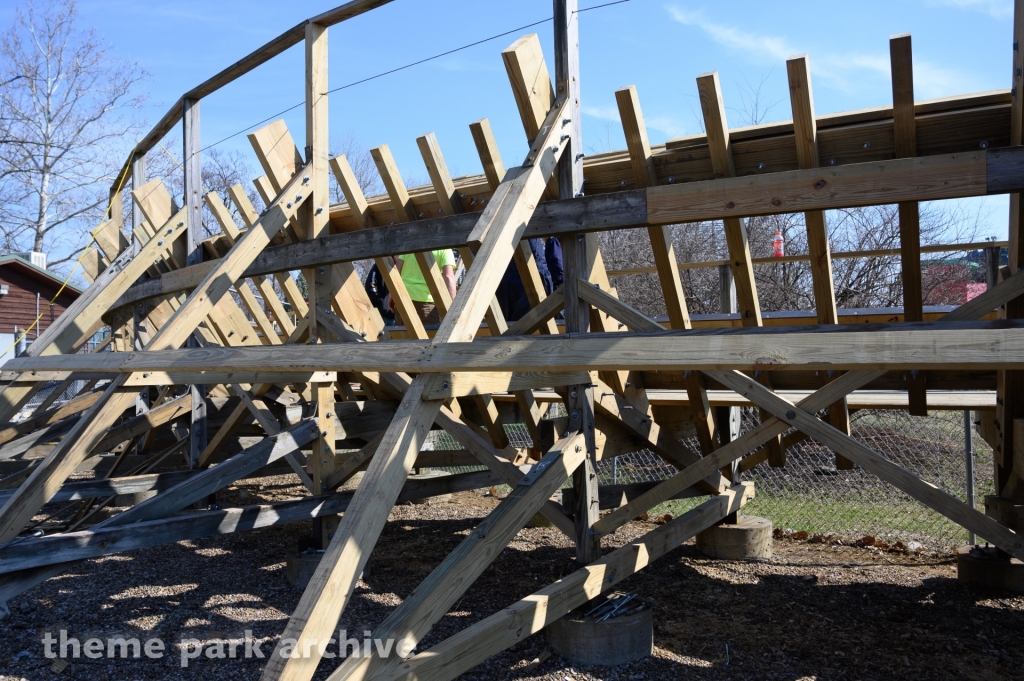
(134, 498)
(749, 539)
(299, 568)
(539, 520)
(989, 567)
(613, 642)
(426, 474)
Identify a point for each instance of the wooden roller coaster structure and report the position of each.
(200, 339)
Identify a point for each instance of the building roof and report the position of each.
(12, 260)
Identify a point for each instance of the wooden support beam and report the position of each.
(805, 131)
(185, 493)
(227, 224)
(1009, 465)
(905, 133)
(925, 492)
(63, 460)
(96, 542)
(942, 176)
(719, 144)
(475, 644)
(538, 317)
(664, 255)
(249, 216)
(457, 384)
(972, 345)
(317, 211)
(410, 622)
(331, 585)
(720, 147)
(406, 212)
(194, 253)
(386, 263)
(580, 397)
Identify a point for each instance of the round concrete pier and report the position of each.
(133, 498)
(426, 474)
(748, 539)
(613, 642)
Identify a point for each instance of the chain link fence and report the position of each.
(809, 493)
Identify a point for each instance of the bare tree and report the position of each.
(63, 126)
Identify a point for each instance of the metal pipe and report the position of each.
(969, 458)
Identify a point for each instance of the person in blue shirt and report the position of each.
(511, 293)
(553, 257)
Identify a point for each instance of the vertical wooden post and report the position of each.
(138, 179)
(1009, 466)
(316, 220)
(805, 129)
(580, 403)
(905, 135)
(193, 252)
(727, 419)
(665, 258)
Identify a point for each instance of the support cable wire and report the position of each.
(124, 175)
(408, 66)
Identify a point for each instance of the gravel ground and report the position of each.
(815, 611)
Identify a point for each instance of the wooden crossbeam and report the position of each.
(925, 492)
(927, 178)
(476, 643)
(968, 345)
(63, 460)
(385, 264)
(187, 492)
(805, 133)
(406, 212)
(331, 585)
(101, 541)
(418, 612)
(905, 135)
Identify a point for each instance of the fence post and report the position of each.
(969, 457)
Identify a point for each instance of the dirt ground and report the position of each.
(815, 611)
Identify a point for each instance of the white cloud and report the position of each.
(774, 47)
(668, 125)
(997, 9)
(843, 71)
(605, 113)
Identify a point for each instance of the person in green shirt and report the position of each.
(417, 287)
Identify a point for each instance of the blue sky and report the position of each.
(960, 46)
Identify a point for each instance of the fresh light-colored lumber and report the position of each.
(512, 624)
(332, 583)
(61, 462)
(187, 492)
(457, 384)
(438, 592)
(905, 138)
(98, 541)
(925, 492)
